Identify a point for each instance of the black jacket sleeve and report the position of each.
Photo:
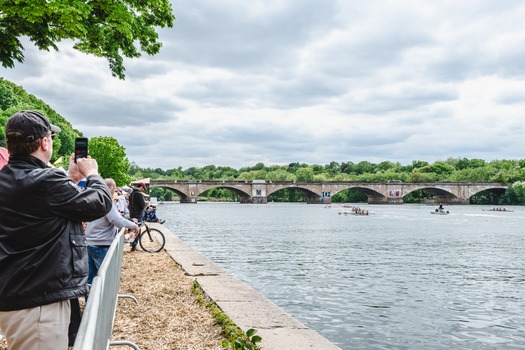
(78, 203)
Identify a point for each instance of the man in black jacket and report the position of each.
(43, 255)
(137, 208)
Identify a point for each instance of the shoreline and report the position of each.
(246, 307)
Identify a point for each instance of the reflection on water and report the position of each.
(398, 279)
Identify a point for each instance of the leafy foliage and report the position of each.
(246, 341)
(109, 29)
(14, 98)
(236, 338)
(111, 159)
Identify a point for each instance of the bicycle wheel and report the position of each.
(152, 240)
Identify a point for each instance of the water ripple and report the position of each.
(399, 279)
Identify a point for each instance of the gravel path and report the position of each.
(167, 316)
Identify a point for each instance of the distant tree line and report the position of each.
(510, 172)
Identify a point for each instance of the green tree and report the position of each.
(111, 158)
(156, 192)
(252, 175)
(162, 194)
(515, 194)
(350, 196)
(386, 165)
(441, 169)
(7, 95)
(419, 163)
(14, 98)
(364, 167)
(416, 176)
(168, 195)
(109, 29)
(305, 174)
(333, 168)
(279, 175)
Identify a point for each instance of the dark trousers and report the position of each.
(74, 323)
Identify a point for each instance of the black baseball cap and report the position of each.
(28, 126)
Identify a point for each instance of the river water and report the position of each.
(399, 278)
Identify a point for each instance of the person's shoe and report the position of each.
(162, 221)
(133, 248)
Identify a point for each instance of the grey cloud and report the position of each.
(219, 35)
(94, 110)
(367, 55)
(304, 90)
(509, 63)
(410, 99)
(146, 67)
(224, 93)
(459, 66)
(263, 135)
(511, 98)
(399, 99)
(254, 90)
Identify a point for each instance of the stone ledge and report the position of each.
(245, 307)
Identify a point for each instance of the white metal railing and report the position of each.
(96, 327)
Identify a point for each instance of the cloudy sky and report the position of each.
(313, 81)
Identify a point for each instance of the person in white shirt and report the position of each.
(101, 232)
(122, 204)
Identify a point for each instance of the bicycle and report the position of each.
(151, 240)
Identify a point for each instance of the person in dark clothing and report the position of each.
(137, 206)
(151, 215)
(43, 255)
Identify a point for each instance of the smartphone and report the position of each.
(81, 148)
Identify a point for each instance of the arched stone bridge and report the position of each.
(392, 192)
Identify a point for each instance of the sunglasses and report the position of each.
(52, 135)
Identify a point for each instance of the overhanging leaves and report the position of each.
(112, 29)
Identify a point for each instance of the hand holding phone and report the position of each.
(81, 148)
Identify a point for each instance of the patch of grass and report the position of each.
(236, 337)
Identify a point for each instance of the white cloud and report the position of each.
(238, 83)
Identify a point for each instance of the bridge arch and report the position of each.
(177, 191)
(442, 195)
(185, 197)
(243, 195)
(374, 197)
(497, 191)
(311, 196)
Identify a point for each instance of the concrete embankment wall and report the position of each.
(247, 308)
